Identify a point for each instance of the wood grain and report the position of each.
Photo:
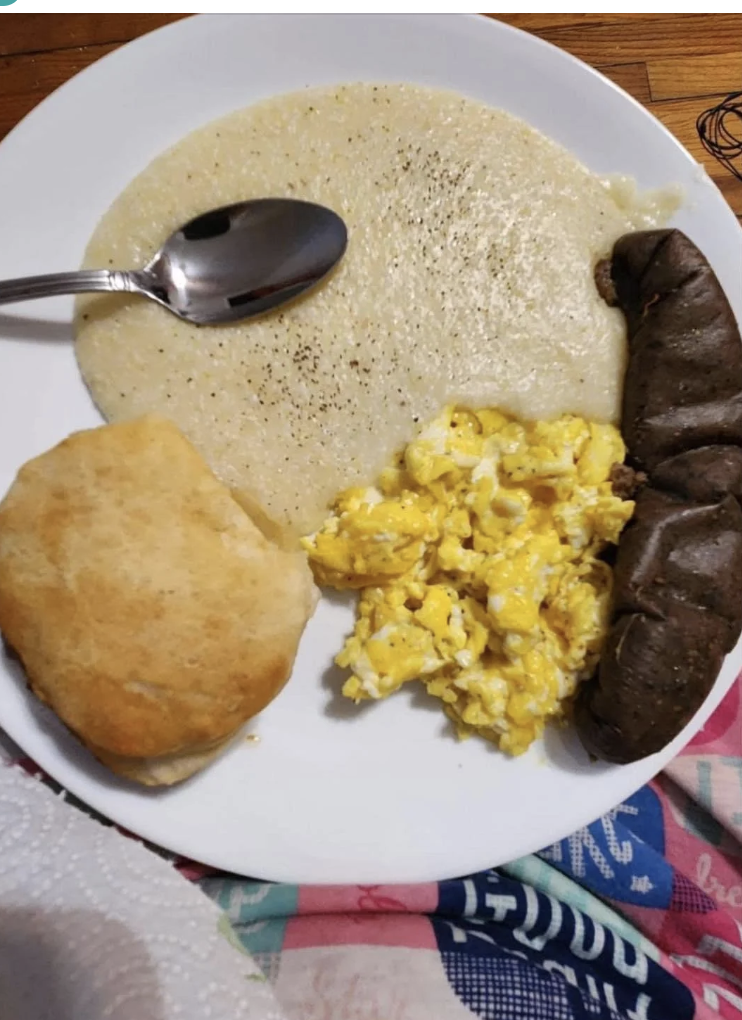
(544, 22)
(675, 64)
(632, 78)
(645, 38)
(26, 79)
(37, 33)
(685, 77)
(675, 114)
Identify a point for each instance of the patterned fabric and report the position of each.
(635, 917)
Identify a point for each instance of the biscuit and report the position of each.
(149, 609)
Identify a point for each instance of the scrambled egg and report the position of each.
(477, 560)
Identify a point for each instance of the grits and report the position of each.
(468, 278)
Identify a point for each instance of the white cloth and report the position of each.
(94, 926)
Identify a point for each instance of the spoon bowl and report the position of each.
(227, 264)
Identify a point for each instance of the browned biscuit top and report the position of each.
(148, 609)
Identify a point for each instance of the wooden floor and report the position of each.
(676, 64)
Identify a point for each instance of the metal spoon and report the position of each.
(228, 264)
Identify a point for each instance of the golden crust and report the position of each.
(150, 611)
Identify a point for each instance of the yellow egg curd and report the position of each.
(477, 557)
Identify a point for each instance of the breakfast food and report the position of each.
(469, 283)
(678, 573)
(478, 556)
(468, 278)
(149, 610)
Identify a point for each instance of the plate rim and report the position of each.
(694, 726)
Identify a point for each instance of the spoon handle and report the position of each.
(29, 287)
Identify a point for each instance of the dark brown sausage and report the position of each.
(704, 475)
(675, 551)
(677, 603)
(640, 700)
(683, 386)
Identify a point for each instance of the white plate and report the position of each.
(328, 794)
